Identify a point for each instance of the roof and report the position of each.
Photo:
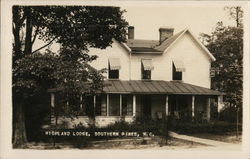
(151, 87)
(156, 87)
(168, 42)
(142, 43)
(154, 47)
(143, 46)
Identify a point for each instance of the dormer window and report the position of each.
(114, 67)
(178, 68)
(146, 67)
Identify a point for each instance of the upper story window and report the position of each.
(114, 67)
(146, 68)
(178, 68)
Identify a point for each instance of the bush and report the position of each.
(121, 126)
(213, 127)
(157, 128)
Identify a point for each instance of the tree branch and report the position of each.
(21, 20)
(44, 45)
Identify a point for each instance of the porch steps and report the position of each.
(198, 140)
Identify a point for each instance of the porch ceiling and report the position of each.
(156, 87)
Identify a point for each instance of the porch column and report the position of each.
(94, 103)
(67, 104)
(208, 109)
(52, 100)
(120, 105)
(52, 114)
(107, 104)
(81, 101)
(166, 105)
(193, 99)
(134, 105)
(220, 103)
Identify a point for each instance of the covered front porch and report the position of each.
(153, 100)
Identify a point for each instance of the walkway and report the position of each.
(199, 140)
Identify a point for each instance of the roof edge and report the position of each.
(202, 46)
(197, 41)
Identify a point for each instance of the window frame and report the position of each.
(113, 72)
(176, 76)
(128, 105)
(145, 73)
(117, 106)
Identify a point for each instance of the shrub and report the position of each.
(213, 127)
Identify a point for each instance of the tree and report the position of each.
(76, 28)
(236, 13)
(226, 44)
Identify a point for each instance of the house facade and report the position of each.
(151, 79)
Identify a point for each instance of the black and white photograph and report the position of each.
(126, 77)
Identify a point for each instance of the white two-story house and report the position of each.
(153, 78)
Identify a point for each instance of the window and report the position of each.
(146, 74)
(114, 66)
(146, 67)
(176, 75)
(88, 106)
(101, 105)
(127, 105)
(114, 105)
(177, 69)
(113, 74)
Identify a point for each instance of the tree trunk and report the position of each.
(237, 122)
(19, 131)
(28, 43)
(16, 32)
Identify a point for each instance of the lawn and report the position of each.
(151, 143)
(229, 137)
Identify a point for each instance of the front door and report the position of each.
(146, 106)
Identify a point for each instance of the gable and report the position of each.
(167, 44)
(153, 47)
(186, 48)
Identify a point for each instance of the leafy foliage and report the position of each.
(235, 13)
(194, 128)
(43, 71)
(76, 28)
(72, 26)
(226, 44)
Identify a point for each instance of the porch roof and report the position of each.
(156, 87)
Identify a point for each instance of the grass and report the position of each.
(153, 143)
(229, 137)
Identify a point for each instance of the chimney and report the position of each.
(165, 33)
(131, 32)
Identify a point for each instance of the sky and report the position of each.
(147, 20)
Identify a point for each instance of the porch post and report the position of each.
(67, 104)
(120, 105)
(52, 103)
(94, 103)
(107, 104)
(166, 105)
(193, 99)
(52, 100)
(208, 109)
(220, 104)
(134, 105)
(81, 101)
